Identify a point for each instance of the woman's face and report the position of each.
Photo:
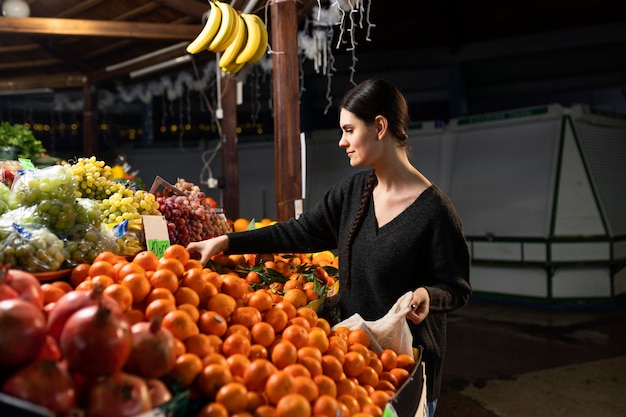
(358, 139)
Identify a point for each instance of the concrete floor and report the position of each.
(513, 361)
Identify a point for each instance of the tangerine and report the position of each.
(293, 405)
(147, 259)
(354, 364)
(238, 363)
(212, 377)
(296, 334)
(389, 359)
(223, 304)
(296, 297)
(262, 333)
(211, 322)
(305, 386)
(213, 409)
(283, 353)
(187, 367)
(332, 367)
(79, 273)
(180, 324)
(102, 268)
(159, 293)
(185, 295)
(234, 396)
(326, 406)
(261, 300)
(164, 278)
(235, 286)
(236, 343)
(325, 385)
(257, 374)
(190, 309)
(277, 318)
(172, 264)
(278, 385)
(177, 251)
(121, 294)
(138, 285)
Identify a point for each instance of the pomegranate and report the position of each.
(118, 395)
(49, 350)
(22, 283)
(22, 333)
(96, 341)
(153, 353)
(73, 301)
(46, 383)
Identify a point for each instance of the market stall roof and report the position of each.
(72, 43)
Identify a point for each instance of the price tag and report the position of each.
(155, 233)
(26, 163)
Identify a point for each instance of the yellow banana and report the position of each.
(231, 52)
(257, 39)
(232, 69)
(227, 30)
(208, 32)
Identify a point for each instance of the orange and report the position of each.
(313, 365)
(148, 260)
(323, 324)
(372, 409)
(129, 268)
(325, 406)
(338, 342)
(102, 268)
(400, 374)
(177, 251)
(253, 277)
(332, 367)
(325, 385)
(257, 374)
(389, 359)
(265, 410)
(278, 385)
(405, 361)
(102, 280)
(237, 261)
(180, 324)
(346, 386)
(194, 279)
(261, 300)
(301, 321)
(185, 295)
(213, 409)
(190, 309)
(235, 286)
(234, 396)
(172, 264)
(187, 368)
(296, 334)
(296, 296)
(238, 363)
(193, 263)
(121, 294)
(246, 316)
(199, 344)
(293, 405)
(159, 308)
(305, 386)
(308, 314)
(138, 285)
(297, 369)
(317, 338)
(354, 364)
(309, 352)
(389, 377)
(258, 351)
(341, 331)
(223, 304)
(380, 398)
(107, 256)
(368, 377)
(65, 286)
(376, 364)
(283, 353)
(159, 293)
(338, 353)
(262, 333)
(214, 357)
(51, 293)
(79, 273)
(359, 348)
(206, 293)
(277, 318)
(134, 315)
(212, 377)
(86, 285)
(350, 402)
(164, 278)
(386, 386)
(211, 322)
(236, 343)
(359, 336)
(238, 328)
(240, 224)
(214, 278)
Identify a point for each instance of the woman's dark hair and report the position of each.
(376, 97)
(367, 100)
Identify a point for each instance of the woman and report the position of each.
(394, 230)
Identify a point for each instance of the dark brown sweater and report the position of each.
(423, 246)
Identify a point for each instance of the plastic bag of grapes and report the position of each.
(85, 242)
(32, 249)
(35, 185)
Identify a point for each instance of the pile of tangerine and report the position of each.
(243, 352)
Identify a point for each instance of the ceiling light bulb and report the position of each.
(15, 8)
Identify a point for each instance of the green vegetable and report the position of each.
(22, 138)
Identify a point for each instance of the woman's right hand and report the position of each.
(207, 248)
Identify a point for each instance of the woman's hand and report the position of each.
(207, 248)
(420, 306)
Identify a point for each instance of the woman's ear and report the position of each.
(381, 126)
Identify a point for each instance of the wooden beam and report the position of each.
(54, 81)
(286, 107)
(98, 28)
(230, 151)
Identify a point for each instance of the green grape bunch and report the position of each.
(31, 249)
(35, 185)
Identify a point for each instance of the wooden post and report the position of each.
(90, 120)
(230, 156)
(284, 42)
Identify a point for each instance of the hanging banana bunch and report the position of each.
(241, 38)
